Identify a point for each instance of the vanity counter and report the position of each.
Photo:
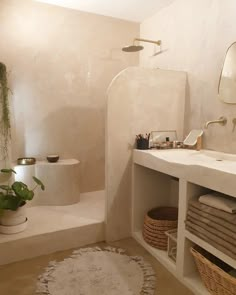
(211, 169)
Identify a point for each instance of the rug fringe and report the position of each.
(149, 284)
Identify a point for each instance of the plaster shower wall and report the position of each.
(139, 100)
(60, 64)
(195, 36)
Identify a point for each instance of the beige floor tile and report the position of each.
(20, 278)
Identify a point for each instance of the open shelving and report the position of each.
(164, 187)
(230, 261)
(160, 255)
(194, 282)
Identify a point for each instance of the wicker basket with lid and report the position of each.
(156, 222)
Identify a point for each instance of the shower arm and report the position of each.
(146, 40)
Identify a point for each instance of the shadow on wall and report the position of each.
(72, 133)
(122, 199)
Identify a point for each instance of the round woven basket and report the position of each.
(156, 222)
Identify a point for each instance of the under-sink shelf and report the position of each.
(230, 261)
(161, 255)
(154, 186)
(195, 283)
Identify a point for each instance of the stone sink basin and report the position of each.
(206, 158)
(217, 156)
(209, 169)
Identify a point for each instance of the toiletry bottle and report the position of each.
(168, 143)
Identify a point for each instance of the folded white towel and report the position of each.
(219, 201)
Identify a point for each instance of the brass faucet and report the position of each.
(222, 121)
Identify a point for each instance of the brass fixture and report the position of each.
(134, 48)
(222, 121)
(26, 161)
(226, 85)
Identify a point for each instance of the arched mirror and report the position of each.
(227, 83)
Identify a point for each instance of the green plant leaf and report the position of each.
(8, 171)
(5, 187)
(21, 190)
(39, 182)
(10, 202)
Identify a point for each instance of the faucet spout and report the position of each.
(222, 121)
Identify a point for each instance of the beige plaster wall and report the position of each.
(139, 100)
(60, 64)
(195, 36)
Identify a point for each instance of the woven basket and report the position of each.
(156, 222)
(214, 273)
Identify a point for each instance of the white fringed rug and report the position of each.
(96, 271)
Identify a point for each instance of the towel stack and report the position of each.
(213, 225)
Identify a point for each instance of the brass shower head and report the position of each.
(134, 48)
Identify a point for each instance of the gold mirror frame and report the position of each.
(220, 97)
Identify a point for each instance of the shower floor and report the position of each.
(56, 228)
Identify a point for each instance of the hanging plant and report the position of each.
(5, 124)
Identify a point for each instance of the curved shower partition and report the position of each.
(140, 100)
(61, 182)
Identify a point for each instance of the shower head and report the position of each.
(134, 48)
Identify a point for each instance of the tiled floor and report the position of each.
(20, 278)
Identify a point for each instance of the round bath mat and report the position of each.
(97, 271)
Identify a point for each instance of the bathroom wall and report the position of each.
(195, 36)
(60, 63)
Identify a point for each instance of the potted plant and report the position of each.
(13, 198)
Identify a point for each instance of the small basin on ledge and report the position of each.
(181, 156)
(214, 155)
(205, 158)
(193, 161)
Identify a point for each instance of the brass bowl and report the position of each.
(26, 161)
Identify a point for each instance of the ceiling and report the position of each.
(132, 10)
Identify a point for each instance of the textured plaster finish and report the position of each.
(55, 228)
(196, 35)
(139, 100)
(60, 179)
(60, 64)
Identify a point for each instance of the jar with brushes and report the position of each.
(142, 141)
